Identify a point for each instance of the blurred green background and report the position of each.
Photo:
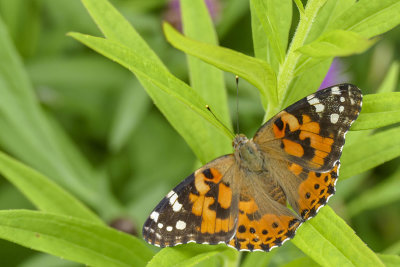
(128, 143)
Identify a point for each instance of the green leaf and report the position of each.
(300, 6)
(389, 84)
(161, 84)
(390, 260)
(42, 192)
(329, 241)
(72, 239)
(369, 151)
(275, 26)
(337, 43)
(382, 194)
(369, 18)
(180, 104)
(258, 259)
(30, 135)
(393, 248)
(378, 110)
(193, 254)
(304, 261)
(131, 109)
(328, 13)
(255, 71)
(206, 79)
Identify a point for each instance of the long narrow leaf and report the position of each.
(206, 79)
(329, 241)
(72, 239)
(42, 192)
(370, 151)
(255, 71)
(161, 83)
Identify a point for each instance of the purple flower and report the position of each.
(336, 74)
(173, 13)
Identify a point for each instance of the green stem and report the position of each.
(287, 69)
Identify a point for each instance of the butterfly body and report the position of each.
(241, 199)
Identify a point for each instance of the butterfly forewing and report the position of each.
(311, 132)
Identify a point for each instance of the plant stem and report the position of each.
(287, 69)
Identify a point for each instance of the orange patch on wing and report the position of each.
(311, 127)
(198, 201)
(318, 142)
(306, 119)
(295, 168)
(208, 217)
(224, 196)
(293, 148)
(290, 120)
(314, 191)
(270, 230)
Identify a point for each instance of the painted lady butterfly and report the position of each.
(241, 199)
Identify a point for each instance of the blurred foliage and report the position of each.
(135, 156)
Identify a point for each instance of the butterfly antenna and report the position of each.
(229, 130)
(237, 104)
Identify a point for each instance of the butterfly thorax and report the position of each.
(247, 154)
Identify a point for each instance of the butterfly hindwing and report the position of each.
(264, 221)
(201, 209)
(311, 132)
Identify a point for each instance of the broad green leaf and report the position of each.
(389, 84)
(369, 18)
(255, 71)
(378, 110)
(258, 259)
(304, 261)
(163, 84)
(337, 43)
(72, 239)
(42, 192)
(382, 194)
(329, 241)
(390, 260)
(276, 27)
(369, 151)
(193, 254)
(206, 79)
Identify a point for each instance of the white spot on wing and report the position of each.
(310, 97)
(169, 228)
(177, 206)
(154, 216)
(319, 108)
(342, 99)
(180, 225)
(160, 225)
(170, 193)
(334, 118)
(335, 90)
(341, 108)
(313, 101)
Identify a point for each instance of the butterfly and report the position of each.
(241, 199)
